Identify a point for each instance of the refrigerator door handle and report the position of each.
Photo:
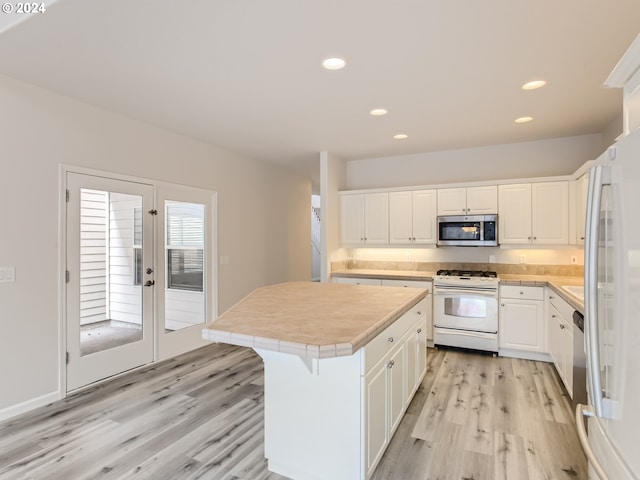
(586, 411)
(598, 178)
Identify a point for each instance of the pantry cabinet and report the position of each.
(534, 213)
(364, 219)
(468, 200)
(522, 326)
(413, 217)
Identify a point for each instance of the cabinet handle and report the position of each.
(535, 238)
(551, 297)
(528, 238)
(553, 315)
(562, 327)
(409, 238)
(414, 239)
(419, 330)
(581, 238)
(521, 292)
(502, 304)
(418, 313)
(390, 339)
(390, 364)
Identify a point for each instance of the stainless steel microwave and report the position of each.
(468, 230)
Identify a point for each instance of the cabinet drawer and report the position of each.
(385, 341)
(392, 282)
(526, 293)
(565, 310)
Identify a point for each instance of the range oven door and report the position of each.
(462, 309)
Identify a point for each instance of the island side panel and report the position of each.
(313, 423)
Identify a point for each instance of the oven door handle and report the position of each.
(465, 291)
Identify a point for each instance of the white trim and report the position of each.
(626, 66)
(30, 404)
(560, 178)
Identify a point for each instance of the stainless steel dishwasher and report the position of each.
(579, 361)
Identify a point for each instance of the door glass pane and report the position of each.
(110, 270)
(185, 265)
(465, 307)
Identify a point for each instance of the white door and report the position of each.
(184, 281)
(109, 292)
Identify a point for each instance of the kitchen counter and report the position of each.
(554, 282)
(328, 369)
(312, 320)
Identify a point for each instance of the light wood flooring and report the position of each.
(200, 416)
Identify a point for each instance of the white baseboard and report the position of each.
(31, 404)
(540, 357)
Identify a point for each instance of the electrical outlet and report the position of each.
(574, 260)
(492, 259)
(523, 259)
(7, 274)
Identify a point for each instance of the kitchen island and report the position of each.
(342, 363)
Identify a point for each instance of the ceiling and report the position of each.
(247, 75)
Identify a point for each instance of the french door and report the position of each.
(110, 277)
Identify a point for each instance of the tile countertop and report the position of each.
(554, 282)
(310, 319)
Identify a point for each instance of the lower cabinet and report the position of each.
(521, 326)
(561, 339)
(357, 281)
(390, 384)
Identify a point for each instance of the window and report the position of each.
(185, 246)
(137, 245)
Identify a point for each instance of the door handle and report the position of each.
(149, 283)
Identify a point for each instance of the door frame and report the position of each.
(212, 289)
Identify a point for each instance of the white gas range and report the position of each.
(465, 309)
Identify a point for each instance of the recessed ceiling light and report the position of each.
(523, 119)
(376, 112)
(534, 84)
(333, 63)
(400, 136)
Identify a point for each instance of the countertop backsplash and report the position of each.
(501, 268)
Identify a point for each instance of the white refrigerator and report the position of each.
(612, 314)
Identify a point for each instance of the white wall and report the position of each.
(557, 156)
(332, 180)
(263, 217)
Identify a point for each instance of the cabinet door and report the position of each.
(482, 200)
(452, 201)
(581, 207)
(401, 217)
(397, 386)
(429, 314)
(411, 369)
(352, 219)
(555, 339)
(566, 344)
(514, 213)
(375, 415)
(425, 217)
(421, 352)
(522, 325)
(376, 218)
(550, 212)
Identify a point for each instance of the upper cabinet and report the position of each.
(535, 213)
(468, 201)
(412, 217)
(364, 219)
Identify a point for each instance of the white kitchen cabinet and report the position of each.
(389, 385)
(413, 217)
(364, 219)
(521, 320)
(534, 213)
(468, 201)
(561, 338)
(582, 185)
